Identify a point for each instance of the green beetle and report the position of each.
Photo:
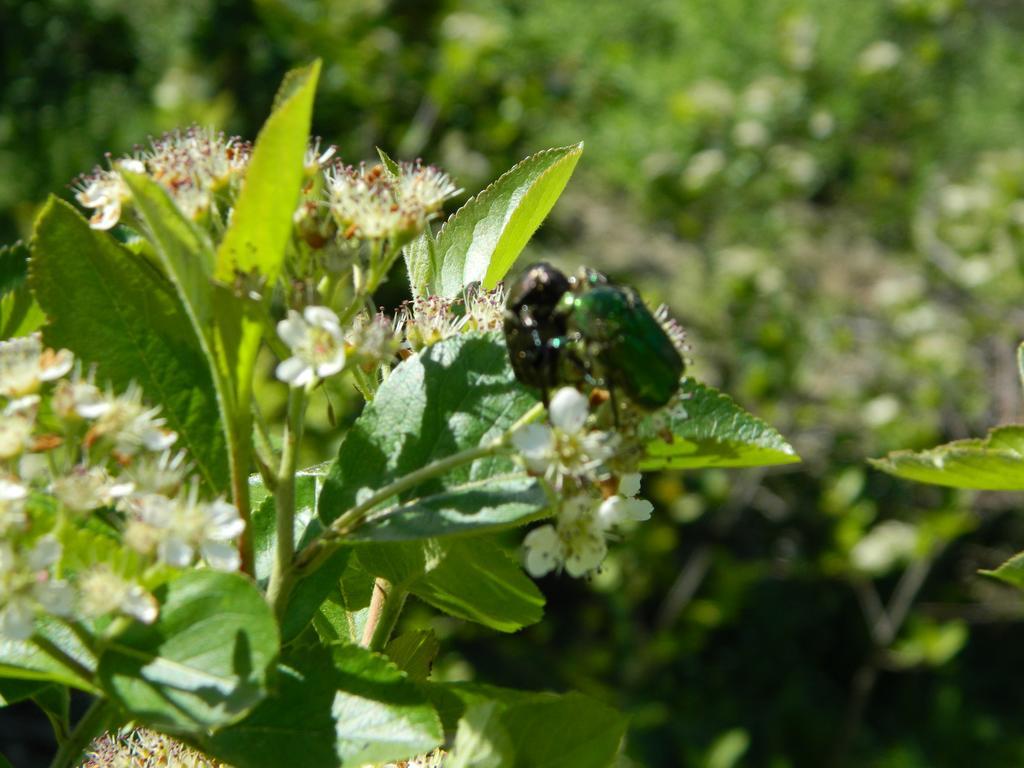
(620, 342)
(567, 330)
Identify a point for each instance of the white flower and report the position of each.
(26, 587)
(15, 435)
(885, 546)
(624, 506)
(126, 421)
(78, 398)
(878, 57)
(84, 489)
(25, 365)
(163, 473)
(104, 592)
(565, 449)
(105, 191)
(12, 506)
(176, 530)
(576, 542)
(371, 203)
(427, 320)
(317, 344)
(543, 551)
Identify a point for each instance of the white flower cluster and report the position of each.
(194, 166)
(371, 203)
(90, 450)
(427, 320)
(573, 459)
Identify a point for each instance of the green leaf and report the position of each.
(482, 240)
(421, 264)
(186, 255)
(203, 663)
(337, 705)
(13, 690)
(546, 730)
(1011, 572)
(20, 315)
(261, 221)
(709, 430)
(993, 464)
(471, 579)
(463, 508)
(385, 159)
(112, 309)
(414, 652)
(23, 660)
(481, 740)
(4, 762)
(455, 395)
(254, 248)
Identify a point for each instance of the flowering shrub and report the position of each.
(164, 552)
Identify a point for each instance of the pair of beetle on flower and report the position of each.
(566, 330)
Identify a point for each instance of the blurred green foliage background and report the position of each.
(829, 194)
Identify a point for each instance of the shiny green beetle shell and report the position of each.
(622, 342)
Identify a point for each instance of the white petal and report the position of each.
(586, 556)
(533, 440)
(12, 491)
(17, 619)
(568, 410)
(221, 555)
(543, 550)
(611, 512)
(629, 484)
(175, 552)
(158, 439)
(638, 509)
(223, 521)
(132, 165)
(60, 363)
(332, 366)
(294, 371)
(322, 317)
(292, 329)
(139, 604)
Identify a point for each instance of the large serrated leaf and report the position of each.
(455, 395)
(709, 430)
(993, 464)
(186, 255)
(113, 310)
(338, 706)
(203, 663)
(482, 240)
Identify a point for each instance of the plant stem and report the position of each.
(385, 608)
(93, 723)
(284, 497)
(48, 647)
